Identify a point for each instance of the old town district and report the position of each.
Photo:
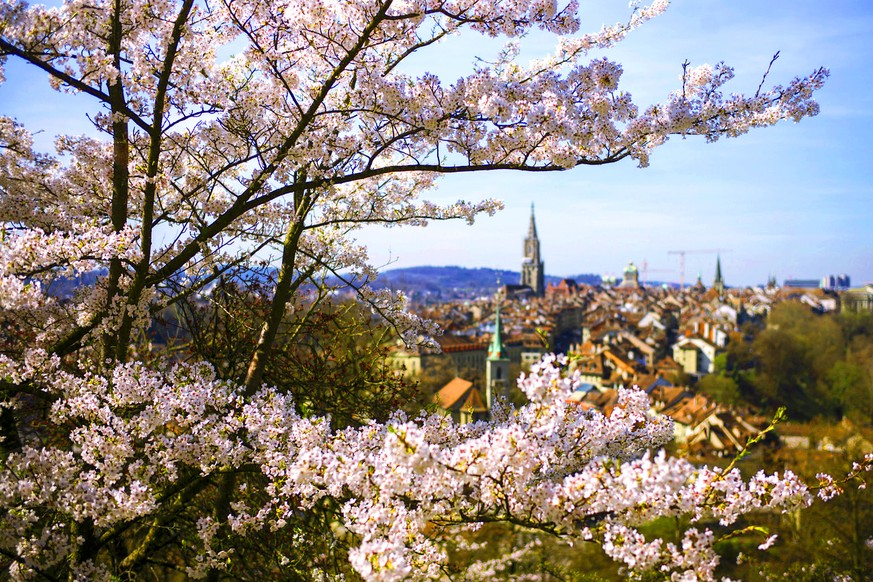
(660, 339)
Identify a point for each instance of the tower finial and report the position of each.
(532, 230)
(496, 349)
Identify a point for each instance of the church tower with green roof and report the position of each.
(497, 364)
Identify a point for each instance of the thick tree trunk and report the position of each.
(120, 174)
(150, 192)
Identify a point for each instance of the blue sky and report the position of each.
(795, 200)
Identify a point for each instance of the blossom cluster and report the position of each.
(35, 251)
(139, 433)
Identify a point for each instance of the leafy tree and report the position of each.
(856, 326)
(817, 364)
(721, 388)
(329, 355)
(720, 385)
(851, 383)
(121, 462)
(740, 363)
(720, 363)
(793, 355)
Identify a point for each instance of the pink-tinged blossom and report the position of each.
(768, 543)
(828, 488)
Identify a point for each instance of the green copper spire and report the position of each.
(495, 350)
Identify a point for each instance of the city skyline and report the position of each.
(791, 201)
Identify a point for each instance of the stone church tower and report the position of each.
(532, 271)
(718, 283)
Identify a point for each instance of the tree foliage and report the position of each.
(232, 133)
(721, 388)
(819, 365)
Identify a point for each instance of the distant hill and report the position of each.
(447, 282)
(65, 287)
(427, 282)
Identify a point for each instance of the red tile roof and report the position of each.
(451, 393)
(459, 394)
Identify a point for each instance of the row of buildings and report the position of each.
(623, 335)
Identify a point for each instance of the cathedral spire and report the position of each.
(532, 270)
(718, 284)
(532, 230)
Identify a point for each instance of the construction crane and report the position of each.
(694, 252)
(646, 270)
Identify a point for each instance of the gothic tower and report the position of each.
(497, 365)
(718, 284)
(532, 272)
